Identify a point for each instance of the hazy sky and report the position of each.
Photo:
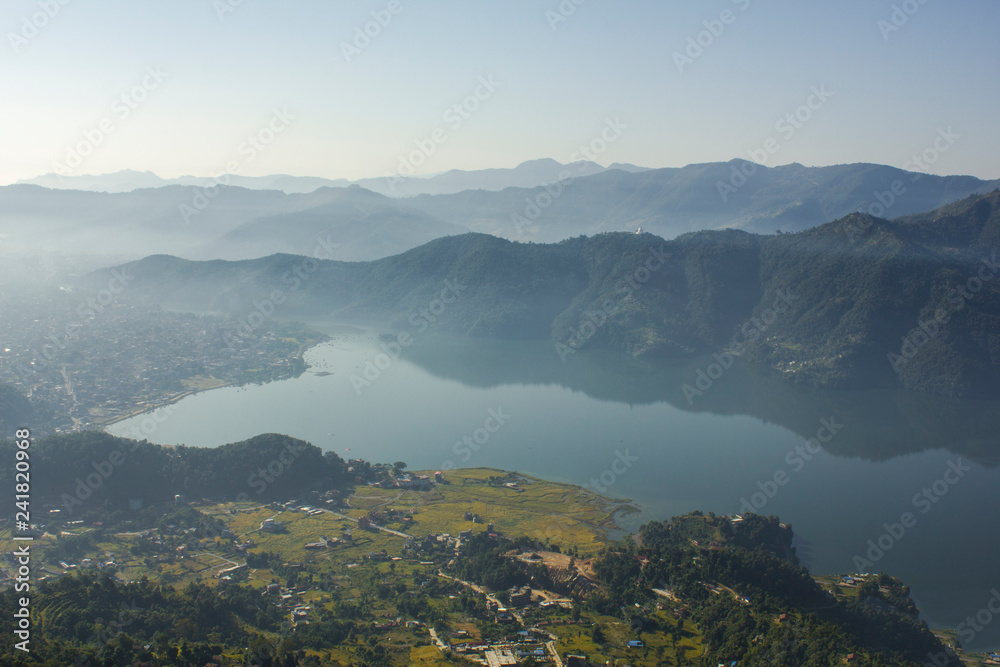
(226, 66)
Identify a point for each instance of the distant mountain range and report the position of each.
(357, 224)
(861, 301)
(526, 175)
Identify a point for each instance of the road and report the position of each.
(437, 641)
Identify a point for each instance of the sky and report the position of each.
(363, 89)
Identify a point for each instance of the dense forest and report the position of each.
(88, 470)
(759, 608)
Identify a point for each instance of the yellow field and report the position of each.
(557, 513)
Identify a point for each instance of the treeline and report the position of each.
(90, 470)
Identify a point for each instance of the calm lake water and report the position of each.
(629, 426)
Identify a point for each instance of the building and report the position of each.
(520, 597)
(271, 526)
(497, 658)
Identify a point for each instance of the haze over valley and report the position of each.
(570, 334)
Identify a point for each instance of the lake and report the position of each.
(870, 480)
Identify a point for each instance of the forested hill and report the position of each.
(757, 607)
(82, 471)
(860, 301)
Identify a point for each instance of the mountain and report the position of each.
(226, 221)
(530, 174)
(857, 302)
(205, 223)
(525, 175)
(353, 224)
(128, 180)
(669, 202)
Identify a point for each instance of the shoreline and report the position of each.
(300, 355)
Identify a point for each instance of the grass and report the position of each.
(561, 514)
(202, 383)
(657, 647)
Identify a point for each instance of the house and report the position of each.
(634, 643)
(520, 597)
(271, 526)
(497, 658)
(321, 544)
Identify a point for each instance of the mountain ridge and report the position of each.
(852, 303)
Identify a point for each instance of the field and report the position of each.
(187, 546)
(560, 514)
